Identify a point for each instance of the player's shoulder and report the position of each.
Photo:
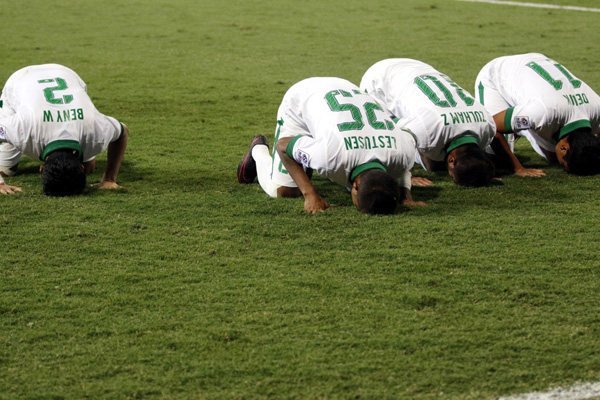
(46, 67)
(519, 60)
(39, 71)
(398, 62)
(310, 87)
(321, 81)
(399, 67)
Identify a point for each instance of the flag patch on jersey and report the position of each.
(303, 158)
(521, 123)
(2, 133)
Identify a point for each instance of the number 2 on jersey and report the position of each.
(49, 91)
(357, 116)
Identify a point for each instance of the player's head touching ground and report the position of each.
(63, 174)
(377, 192)
(469, 166)
(579, 153)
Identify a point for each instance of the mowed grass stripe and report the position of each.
(536, 5)
(580, 391)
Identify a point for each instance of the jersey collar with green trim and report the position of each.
(363, 167)
(459, 142)
(582, 124)
(62, 145)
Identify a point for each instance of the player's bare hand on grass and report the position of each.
(530, 172)
(7, 189)
(314, 204)
(106, 185)
(419, 181)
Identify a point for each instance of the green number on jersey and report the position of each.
(334, 105)
(49, 91)
(556, 83)
(357, 116)
(421, 82)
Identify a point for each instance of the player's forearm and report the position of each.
(503, 152)
(431, 164)
(405, 195)
(500, 145)
(116, 153)
(298, 175)
(294, 169)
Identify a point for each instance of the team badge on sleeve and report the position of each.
(522, 123)
(2, 133)
(303, 158)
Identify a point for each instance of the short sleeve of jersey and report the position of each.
(106, 130)
(531, 115)
(10, 127)
(308, 152)
(110, 125)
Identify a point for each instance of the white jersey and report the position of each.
(49, 103)
(430, 104)
(339, 131)
(543, 100)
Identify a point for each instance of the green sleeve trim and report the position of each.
(573, 126)
(289, 149)
(120, 134)
(364, 167)
(60, 145)
(481, 88)
(460, 141)
(508, 120)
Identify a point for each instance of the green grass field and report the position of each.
(185, 284)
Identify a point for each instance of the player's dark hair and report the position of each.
(583, 156)
(377, 192)
(472, 167)
(63, 174)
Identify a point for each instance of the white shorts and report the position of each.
(288, 129)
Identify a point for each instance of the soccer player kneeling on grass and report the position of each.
(452, 129)
(45, 113)
(533, 96)
(329, 126)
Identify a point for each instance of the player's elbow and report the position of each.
(125, 133)
(281, 147)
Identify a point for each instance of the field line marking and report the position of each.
(580, 391)
(521, 4)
